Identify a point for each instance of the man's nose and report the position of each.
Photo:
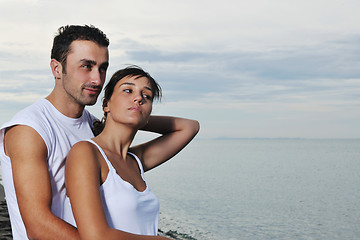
(96, 77)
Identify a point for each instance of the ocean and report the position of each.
(261, 189)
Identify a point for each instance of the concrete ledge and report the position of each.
(2, 194)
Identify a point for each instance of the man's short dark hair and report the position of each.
(67, 34)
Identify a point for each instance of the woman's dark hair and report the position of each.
(67, 34)
(131, 71)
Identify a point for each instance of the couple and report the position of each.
(106, 195)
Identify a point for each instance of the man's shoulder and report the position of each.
(30, 113)
(32, 116)
(35, 116)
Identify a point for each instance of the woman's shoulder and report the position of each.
(82, 151)
(83, 146)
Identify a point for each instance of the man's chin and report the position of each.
(90, 102)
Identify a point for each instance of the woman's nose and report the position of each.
(138, 98)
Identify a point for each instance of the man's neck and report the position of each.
(68, 108)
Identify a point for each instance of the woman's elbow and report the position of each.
(194, 126)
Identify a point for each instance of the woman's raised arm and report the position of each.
(175, 132)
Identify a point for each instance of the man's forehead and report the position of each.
(85, 49)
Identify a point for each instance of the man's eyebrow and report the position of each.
(92, 62)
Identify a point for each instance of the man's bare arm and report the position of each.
(28, 154)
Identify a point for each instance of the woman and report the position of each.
(104, 176)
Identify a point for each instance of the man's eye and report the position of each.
(87, 66)
(103, 70)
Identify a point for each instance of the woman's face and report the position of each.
(131, 101)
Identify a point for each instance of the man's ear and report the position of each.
(56, 68)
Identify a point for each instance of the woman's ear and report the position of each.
(56, 68)
(105, 106)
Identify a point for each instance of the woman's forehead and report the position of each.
(134, 80)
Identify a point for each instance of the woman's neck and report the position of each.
(116, 139)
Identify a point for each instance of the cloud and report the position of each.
(328, 70)
(280, 68)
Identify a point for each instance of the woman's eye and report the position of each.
(147, 96)
(127, 90)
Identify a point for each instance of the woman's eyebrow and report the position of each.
(148, 88)
(132, 84)
(127, 83)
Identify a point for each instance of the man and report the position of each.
(34, 144)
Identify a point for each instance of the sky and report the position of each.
(243, 69)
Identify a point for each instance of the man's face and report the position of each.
(86, 66)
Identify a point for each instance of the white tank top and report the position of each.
(126, 208)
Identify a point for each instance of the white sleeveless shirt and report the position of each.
(126, 208)
(59, 133)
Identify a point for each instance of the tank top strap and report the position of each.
(110, 166)
(138, 161)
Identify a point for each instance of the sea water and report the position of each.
(261, 189)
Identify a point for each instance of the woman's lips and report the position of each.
(136, 109)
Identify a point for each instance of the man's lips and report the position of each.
(92, 90)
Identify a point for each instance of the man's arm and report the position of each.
(28, 154)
